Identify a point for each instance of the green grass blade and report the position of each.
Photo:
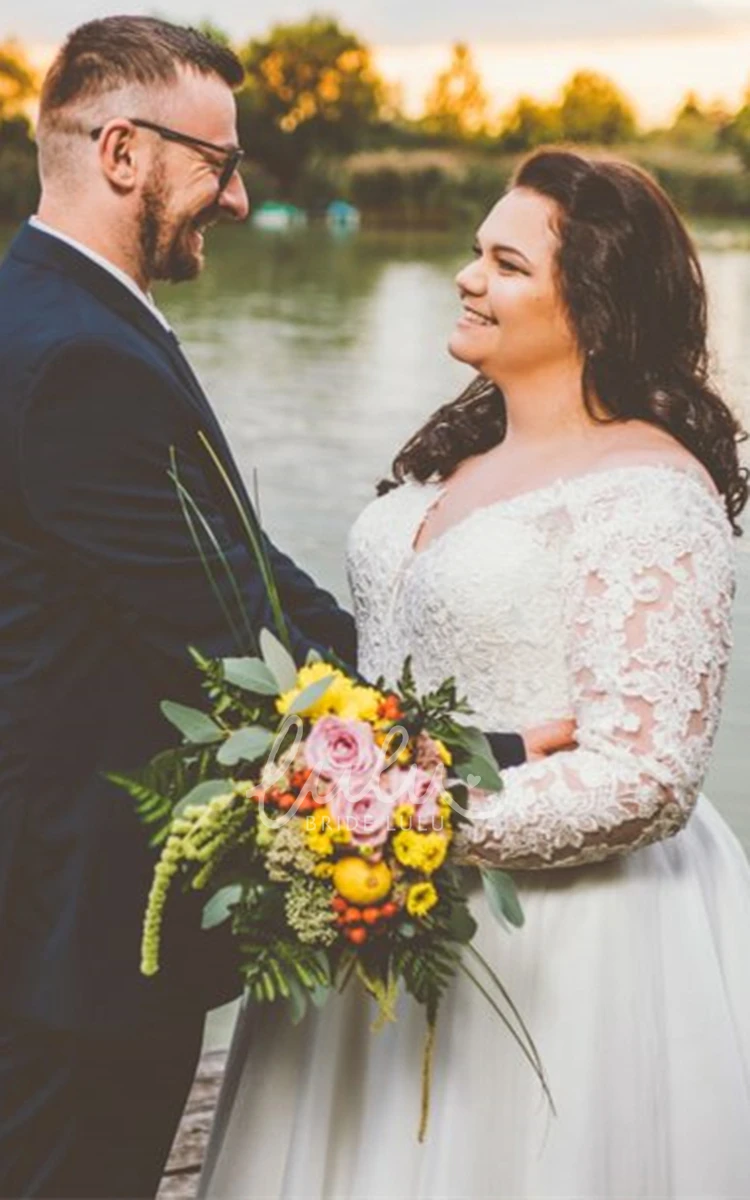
(254, 533)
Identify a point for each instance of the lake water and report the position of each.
(322, 354)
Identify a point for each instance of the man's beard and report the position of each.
(168, 248)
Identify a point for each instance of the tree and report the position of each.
(736, 133)
(696, 127)
(18, 81)
(593, 109)
(311, 89)
(530, 124)
(457, 105)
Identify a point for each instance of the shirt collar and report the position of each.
(106, 265)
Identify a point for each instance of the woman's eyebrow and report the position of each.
(500, 248)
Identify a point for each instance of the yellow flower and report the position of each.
(420, 851)
(445, 755)
(319, 829)
(361, 704)
(420, 898)
(323, 870)
(330, 702)
(403, 816)
(434, 849)
(406, 848)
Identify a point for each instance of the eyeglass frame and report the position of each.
(233, 157)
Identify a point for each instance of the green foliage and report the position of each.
(736, 134)
(529, 124)
(457, 105)
(593, 109)
(18, 82)
(311, 88)
(19, 182)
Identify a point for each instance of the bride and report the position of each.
(559, 537)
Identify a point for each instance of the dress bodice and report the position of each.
(605, 597)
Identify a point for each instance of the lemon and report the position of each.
(362, 882)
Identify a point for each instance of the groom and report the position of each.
(101, 593)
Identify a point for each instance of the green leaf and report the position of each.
(310, 695)
(220, 905)
(473, 741)
(502, 897)
(245, 745)
(251, 674)
(194, 725)
(203, 794)
(279, 661)
(480, 773)
(298, 998)
(461, 925)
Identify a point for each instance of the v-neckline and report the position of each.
(555, 485)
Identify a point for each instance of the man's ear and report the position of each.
(119, 154)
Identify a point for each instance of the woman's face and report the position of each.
(513, 320)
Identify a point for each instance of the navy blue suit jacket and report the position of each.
(101, 591)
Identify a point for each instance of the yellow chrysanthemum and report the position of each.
(361, 704)
(324, 870)
(420, 898)
(434, 847)
(403, 816)
(421, 851)
(331, 701)
(445, 755)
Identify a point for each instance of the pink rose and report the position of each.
(337, 749)
(366, 814)
(421, 789)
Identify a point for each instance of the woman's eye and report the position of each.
(505, 265)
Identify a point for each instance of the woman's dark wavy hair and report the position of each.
(634, 292)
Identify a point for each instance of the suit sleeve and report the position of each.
(94, 456)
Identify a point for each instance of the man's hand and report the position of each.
(543, 740)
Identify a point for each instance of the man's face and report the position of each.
(180, 196)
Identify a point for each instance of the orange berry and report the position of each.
(358, 935)
(286, 800)
(339, 904)
(389, 910)
(353, 914)
(370, 915)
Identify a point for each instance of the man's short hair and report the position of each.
(120, 52)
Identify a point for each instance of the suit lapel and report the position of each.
(34, 245)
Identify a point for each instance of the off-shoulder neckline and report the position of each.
(556, 486)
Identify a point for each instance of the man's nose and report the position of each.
(234, 199)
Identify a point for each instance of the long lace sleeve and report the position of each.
(648, 628)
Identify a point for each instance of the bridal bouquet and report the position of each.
(319, 816)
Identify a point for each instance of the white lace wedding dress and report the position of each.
(607, 596)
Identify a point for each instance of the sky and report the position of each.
(656, 50)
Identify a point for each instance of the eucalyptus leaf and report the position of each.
(245, 745)
(320, 994)
(194, 725)
(310, 695)
(479, 773)
(251, 674)
(201, 795)
(220, 905)
(474, 742)
(502, 897)
(461, 924)
(278, 660)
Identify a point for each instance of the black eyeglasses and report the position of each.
(232, 158)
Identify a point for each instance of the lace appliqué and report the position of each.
(607, 597)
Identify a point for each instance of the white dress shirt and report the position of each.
(106, 265)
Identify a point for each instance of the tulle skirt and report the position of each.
(633, 977)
